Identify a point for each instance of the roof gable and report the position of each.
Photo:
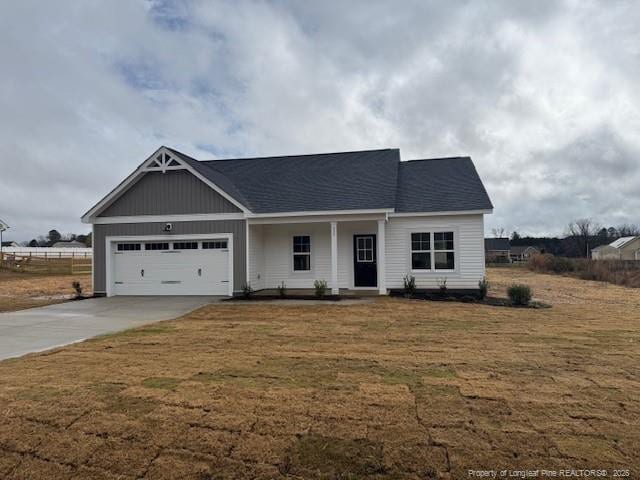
(162, 160)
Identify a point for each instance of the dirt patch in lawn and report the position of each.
(24, 290)
(392, 389)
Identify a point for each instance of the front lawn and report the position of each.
(26, 290)
(393, 389)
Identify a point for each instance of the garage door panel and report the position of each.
(171, 272)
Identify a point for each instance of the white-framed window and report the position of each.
(215, 244)
(421, 251)
(432, 251)
(364, 249)
(128, 247)
(185, 245)
(301, 253)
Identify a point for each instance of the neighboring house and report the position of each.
(497, 250)
(522, 253)
(359, 220)
(10, 244)
(69, 244)
(625, 248)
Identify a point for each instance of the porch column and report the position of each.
(382, 277)
(334, 258)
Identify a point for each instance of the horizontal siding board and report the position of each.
(171, 193)
(236, 227)
(469, 239)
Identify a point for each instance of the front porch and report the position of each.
(347, 252)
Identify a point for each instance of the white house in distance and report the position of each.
(625, 248)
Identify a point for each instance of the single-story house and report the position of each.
(69, 244)
(10, 243)
(625, 248)
(497, 250)
(358, 220)
(522, 253)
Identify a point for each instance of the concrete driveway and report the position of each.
(38, 329)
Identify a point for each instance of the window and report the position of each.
(301, 253)
(214, 244)
(185, 245)
(444, 254)
(432, 251)
(364, 249)
(421, 251)
(127, 247)
(156, 246)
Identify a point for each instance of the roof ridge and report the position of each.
(302, 155)
(433, 159)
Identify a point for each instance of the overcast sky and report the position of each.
(544, 96)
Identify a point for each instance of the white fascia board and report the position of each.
(319, 212)
(439, 214)
(143, 168)
(334, 217)
(195, 217)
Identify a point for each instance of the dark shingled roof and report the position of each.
(497, 244)
(363, 180)
(440, 185)
(327, 181)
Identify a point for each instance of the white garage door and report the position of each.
(175, 267)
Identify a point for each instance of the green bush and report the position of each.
(483, 286)
(519, 294)
(409, 285)
(282, 290)
(442, 285)
(78, 288)
(247, 291)
(321, 288)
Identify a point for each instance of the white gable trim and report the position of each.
(162, 160)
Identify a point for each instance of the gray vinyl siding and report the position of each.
(170, 193)
(236, 227)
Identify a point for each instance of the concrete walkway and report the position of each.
(38, 329)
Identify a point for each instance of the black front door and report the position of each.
(365, 270)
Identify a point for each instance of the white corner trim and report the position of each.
(108, 252)
(145, 167)
(439, 214)
(194, 217)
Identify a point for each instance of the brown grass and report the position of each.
(24, 290)
(618, 272)
(396, 389)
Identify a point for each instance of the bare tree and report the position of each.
(627, 230)
(581, 231)
(499, 232)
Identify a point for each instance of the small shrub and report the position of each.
(78, 288)
(442, 285)
(409, 286)
(519, 294)
(282, 290)
(321, 288)
(483, 286)
(247, 291)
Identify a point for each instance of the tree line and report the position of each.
(54, 236)
(580, 237)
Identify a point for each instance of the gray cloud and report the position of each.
(541, 94)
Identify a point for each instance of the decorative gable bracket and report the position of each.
(162, 161)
